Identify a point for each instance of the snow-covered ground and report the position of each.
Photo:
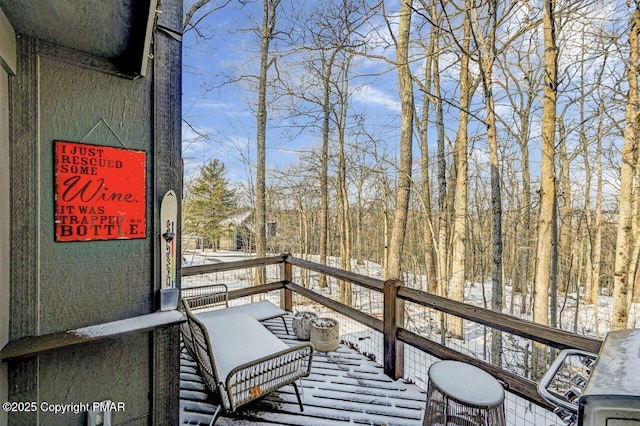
(425, 321)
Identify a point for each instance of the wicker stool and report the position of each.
(463, 395)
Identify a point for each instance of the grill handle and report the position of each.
(548, 377)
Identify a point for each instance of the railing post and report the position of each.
(286, 295)
(393, 319)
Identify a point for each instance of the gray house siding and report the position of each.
(7, 65)
(57, 94)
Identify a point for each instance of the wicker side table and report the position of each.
(463, 395)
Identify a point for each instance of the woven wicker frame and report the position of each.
(249, 381)
(206, 296)
(185, 330)
(253, 380)
(443, 409)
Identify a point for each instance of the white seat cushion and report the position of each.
(237, 338)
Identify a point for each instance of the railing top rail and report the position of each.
(554, 337)
(230, 266)
(363, 280)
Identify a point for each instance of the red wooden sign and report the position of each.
(100, 192)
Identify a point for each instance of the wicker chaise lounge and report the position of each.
(241, 360)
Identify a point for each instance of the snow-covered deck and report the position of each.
(344, 387)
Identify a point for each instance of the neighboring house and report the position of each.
(237, 232)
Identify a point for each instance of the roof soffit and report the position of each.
(114, 30)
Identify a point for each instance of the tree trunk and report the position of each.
(547, 186)
(268, 25)
(324, 165)
(458, 237)
(427, 218)
(526, 202)
(588, 281)
(404, 179)
(634, 270)
(443, 206)
(627, 172)
(343, 196)
(597, 238)
(441, 249)
(563, 201)
(359, 223)
(441, 264)
(496, 191)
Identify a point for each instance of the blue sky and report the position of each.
(224, 112)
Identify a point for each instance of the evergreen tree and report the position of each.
(208, 202)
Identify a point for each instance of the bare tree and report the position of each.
(547, 184)
(521, 86)
(343, 196)
(594, 225)
(406, 137)
(428, 223)
(487, 58)
(192, 16)
(267, 34)
(627, 173)
(443, 204)
(458, 237)
(597, 237)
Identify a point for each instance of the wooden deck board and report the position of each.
(345, 387)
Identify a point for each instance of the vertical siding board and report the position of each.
(23, 152)
(167, 134)
(24, 191)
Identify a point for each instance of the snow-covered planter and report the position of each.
(325, 334)
(301, 324)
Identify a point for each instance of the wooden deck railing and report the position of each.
(391, 326)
